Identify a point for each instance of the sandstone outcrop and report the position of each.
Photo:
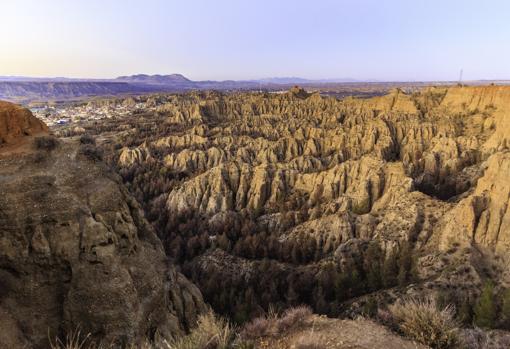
(137, 155)
(483, 218)
(247, 152)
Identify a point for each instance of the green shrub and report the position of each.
(47, 143)
(370, 307)
(505, 309)
(485, 308)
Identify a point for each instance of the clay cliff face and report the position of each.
(77, 253)
(17, 123)
(484, 216)
(429, 169)
(247, 152)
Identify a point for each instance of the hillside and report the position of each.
(266, 202)
(282, 199)
(26, 91)
(76, 250)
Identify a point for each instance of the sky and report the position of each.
(387, 40)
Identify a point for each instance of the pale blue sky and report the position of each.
(235, 39)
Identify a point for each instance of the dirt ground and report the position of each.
(339, 334)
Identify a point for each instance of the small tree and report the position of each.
(465, 311)
(370, 307)
(505, 309)
(47, 143)
(390, 270)
(485, 308)
(407, 269)
(373, 267)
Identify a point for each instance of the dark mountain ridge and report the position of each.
(155, 79)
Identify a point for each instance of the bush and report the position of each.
(91, 152)
(370, 307)
(87, 139)
(505, 309)
(293, 317)
(257, 328)
(271, 324)
(424, 322)
(47, 143)
(211, 333)
(477, 338)
(485, 308)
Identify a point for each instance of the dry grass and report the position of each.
(216, 333)
(272, 324)
(310, 341)
(425, 322)
(210, 333)
(476, 338)
(74, 340)
(293, 317)
(259, 327)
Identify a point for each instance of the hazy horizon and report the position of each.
(231, 40)
(324, 80)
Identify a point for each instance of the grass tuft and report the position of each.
(74, 340)
(211, 333)
(272, 324)
(425, 322)
(293, 317)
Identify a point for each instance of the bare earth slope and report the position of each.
(286, 186)
(77, 253)
(338, 334)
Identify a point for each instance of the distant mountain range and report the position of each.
(155, 79)
(178, 79)
(300, 81)
(26, 89)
